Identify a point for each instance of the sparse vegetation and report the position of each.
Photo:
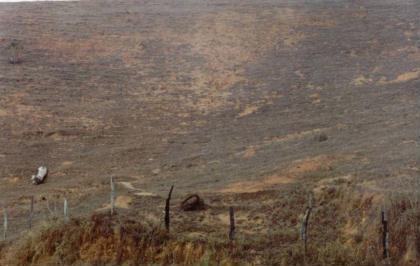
(103, 239)
(404, 219)
(15, 50)
(127, 240)
(250, 105)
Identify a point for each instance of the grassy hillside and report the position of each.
(255, 105)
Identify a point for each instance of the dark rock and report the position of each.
(322, 137)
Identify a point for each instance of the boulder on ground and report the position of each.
(193, 203)
(322, 137)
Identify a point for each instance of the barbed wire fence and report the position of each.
(16, 224)
(17, 221)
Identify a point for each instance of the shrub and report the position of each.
(15, 49)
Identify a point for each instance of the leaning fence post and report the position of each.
(112, 195)
(5, 223)
(167, 209)
(232, 224)
(31, 212)
(66, 214)
(385, 233)
(305, 222)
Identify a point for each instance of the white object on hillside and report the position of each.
(40, 176)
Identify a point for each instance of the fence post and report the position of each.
(385, 233)
(112, 195)
(51, 212)
(167, 209)
(232, 224)
(31, 212)
(5, 223)
(66, 214)
(55, 206)
(305, 223)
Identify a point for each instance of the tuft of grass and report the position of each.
(404, 228)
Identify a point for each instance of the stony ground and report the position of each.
(216, 97)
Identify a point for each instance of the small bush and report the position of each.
(15, 49)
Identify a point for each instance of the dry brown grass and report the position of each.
(344, 229)
(404, 219)
(357, 216)
(103, 239)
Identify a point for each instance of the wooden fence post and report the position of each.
(66, 214)
(167, 209)
(31, 212)
(51, 212)
(305, 223)
(385, 233)
(112, 195)
(55, 206)
(232, 224)
(5, 223)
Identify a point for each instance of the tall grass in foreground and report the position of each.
(345, 229)
(404, 214)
